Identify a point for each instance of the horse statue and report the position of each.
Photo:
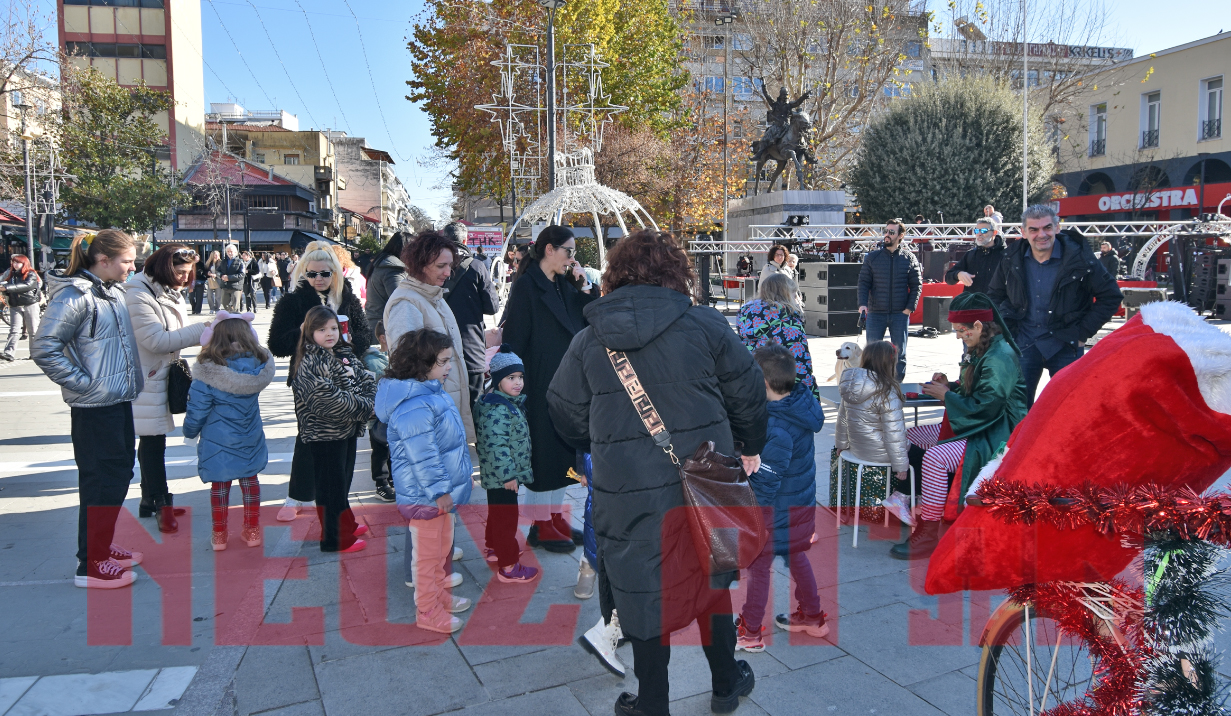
(789, 147)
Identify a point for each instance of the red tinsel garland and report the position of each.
(1117, 508)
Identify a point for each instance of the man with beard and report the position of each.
(977, 266)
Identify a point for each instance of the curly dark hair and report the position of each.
(421, 251)
(415, 354)
(991, 329)
(649, 257)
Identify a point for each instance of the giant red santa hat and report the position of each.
(1150, 403)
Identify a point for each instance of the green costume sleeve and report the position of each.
(996, 377)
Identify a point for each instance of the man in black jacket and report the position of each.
(1110, 259)
(1053, 294)
(889, 287)
(977, 266)
(231, 278)
(469, 291)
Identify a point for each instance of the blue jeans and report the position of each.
(897, 323)
(1033, 363)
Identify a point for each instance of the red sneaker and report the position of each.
(814, 626)
(746, 639)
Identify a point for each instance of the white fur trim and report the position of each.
(987, 473)
(1207, 347)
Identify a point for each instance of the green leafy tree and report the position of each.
(951, 147)
(110, 140)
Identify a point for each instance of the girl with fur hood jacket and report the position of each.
(224, 410)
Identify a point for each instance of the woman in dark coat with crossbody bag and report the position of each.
(543, 314)
(706, 387)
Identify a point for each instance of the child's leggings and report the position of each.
(938, 462)
(220, 500)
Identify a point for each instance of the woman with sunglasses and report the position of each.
(157, 308)
(315, 281)
(543, 314)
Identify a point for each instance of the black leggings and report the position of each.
(151, 455)
(333, 463)
(103, 447)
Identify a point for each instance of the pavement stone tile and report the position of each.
(882, 639)
(73, 694)
(273, 676)
(12, 689)
(842, 687)
(954, 692)
(536, 671)
(413, 681)
(304, 708)
(558, 701)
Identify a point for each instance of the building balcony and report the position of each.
(324, 173)
(1211, 129)
(1149, 138)
(1098, 147)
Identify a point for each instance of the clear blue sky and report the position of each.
(401, 128)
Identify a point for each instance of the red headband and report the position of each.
(971, 315)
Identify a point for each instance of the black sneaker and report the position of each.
(384, 491)
(103, 574)
(727, 703)
(6, 356)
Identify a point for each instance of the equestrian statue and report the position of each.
(783, 141)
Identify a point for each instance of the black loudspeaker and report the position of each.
(831, 324)
(936, 313)
(934, 265)
(839, 275)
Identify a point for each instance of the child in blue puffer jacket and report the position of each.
(431, 466)
(224, 410)
(786, 482)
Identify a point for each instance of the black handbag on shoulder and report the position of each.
(179, 380)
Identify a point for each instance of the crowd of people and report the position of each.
(397, 348)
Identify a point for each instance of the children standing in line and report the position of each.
(334, 397)
(431, 466)
(224, 410)
(787, 482)
(503, 444)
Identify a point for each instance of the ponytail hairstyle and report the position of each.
(318, 317)
(86, 249)
(557, 236)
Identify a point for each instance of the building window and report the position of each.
(258, 157)
(716, 85)
(118, 3)
(742, 42)
(716, 42)
(1151, 119)
(743, 87)
(1211, 109)
(914, 49)
(1098, 130)
(737, 129)
(292, 159)
(112, 49)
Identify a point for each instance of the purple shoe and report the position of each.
(517, 573)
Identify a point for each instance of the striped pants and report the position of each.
(220, 500)
(938, 462)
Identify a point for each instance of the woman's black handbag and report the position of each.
(179, 380)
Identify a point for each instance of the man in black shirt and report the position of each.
(977, 266)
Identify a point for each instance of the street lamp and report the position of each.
(28, 134)
(1201, 198)
(724, 21)
(551, 6)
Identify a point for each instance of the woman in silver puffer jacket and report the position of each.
(86, 345)
(871, 420)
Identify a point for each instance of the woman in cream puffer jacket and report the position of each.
(157, 312)
(871, 427)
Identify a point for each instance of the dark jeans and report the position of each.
(104, 444)
(1033, 363)
(758, 585)
(267, 283)
(380, 458)
(151, 455)
(303, 475)
(501, 531)
(897, 324)
(333, 463)
(249, 303)
(652, 657)
(198, 295)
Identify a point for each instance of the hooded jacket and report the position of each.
(289, 313)
(787, 478)
(873, 429)
(382, 282)
(85, 342)
(330, 403)
(224, 409)
(502, 439)
(706, 387)
(157, 315)
(980, 262)
(427, 446)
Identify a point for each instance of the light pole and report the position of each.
(551, 6)
(1025, 113)
(724, 21)
(1201, 198)
(28, 134)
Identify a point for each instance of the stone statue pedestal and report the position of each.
(821, 207)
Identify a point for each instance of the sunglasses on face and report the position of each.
(320, 274)
(890, 233)
(568, 252)
(982, 231)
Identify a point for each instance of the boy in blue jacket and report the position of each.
(787, 483)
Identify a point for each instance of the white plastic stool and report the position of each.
(846, 457)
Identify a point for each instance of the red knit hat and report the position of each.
(1150, 403)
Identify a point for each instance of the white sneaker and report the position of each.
(601, 640)
(455, 580)
(458, 605)
(899, 504)
(289, 511)
(457, 554)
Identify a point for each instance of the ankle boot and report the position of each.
(562, 526)
(166, 517)
(921, 544)
(146, 508)
(178, 511)
(550, 539)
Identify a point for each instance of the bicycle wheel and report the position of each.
(1060, 667)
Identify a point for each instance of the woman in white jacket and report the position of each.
(156, 308)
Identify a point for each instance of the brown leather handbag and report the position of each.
(726, 523)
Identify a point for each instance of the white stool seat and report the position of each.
(845, 456)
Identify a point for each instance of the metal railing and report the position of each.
(1098, 147)
(1211, 129)
(1149, 138)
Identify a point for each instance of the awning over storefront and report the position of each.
(1184, 197)
(295, 238)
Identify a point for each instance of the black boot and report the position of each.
(146, 508)
(921, 544)
(166, 517)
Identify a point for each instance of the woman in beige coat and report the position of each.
(419, 302)
(156, 308)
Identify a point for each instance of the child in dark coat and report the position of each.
(786, 482)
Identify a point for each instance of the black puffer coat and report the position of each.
(705, 386)
(382, 282)
(540, 320)
(290, 311)
(889, 281)
(979, 262)
(471, 297)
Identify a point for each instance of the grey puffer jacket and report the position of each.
(85, 342)
(872, 428)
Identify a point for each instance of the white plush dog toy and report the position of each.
(849, 354)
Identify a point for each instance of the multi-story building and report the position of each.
(1145, 133)
(368, 185)
(153, 41)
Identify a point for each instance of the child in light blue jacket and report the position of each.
(431, 466)
(224, 410)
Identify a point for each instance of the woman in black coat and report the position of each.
(325, 286)
(541, 318)
(705, 386)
